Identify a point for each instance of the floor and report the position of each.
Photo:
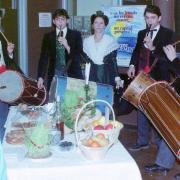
(144, 157)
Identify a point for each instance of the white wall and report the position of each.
(89, 7)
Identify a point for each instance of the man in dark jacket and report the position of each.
(149, 48)
(60, 52)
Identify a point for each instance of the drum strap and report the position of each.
(153, 65)
(147, 68)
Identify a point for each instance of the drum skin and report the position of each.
(15, 88)
(161, 104)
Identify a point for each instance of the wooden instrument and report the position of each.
(15, 88)
(161, 104)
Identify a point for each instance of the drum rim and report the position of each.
(17, 99)
(45, 95)
(20, 75)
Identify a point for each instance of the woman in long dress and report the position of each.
(100, 51)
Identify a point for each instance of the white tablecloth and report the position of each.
(70, 165)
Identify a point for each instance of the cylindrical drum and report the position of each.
(161, 104)
(137, 86)
(15, 88)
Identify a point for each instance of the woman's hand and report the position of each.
(119, 82)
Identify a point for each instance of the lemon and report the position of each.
(95, 123)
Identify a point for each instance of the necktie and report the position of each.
(60, 53)
(151, 32)
(60, 34)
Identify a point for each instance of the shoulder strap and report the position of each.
(153, 64)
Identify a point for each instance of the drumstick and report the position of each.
(4, 37)
(177, 42)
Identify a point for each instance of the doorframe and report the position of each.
(22, 35)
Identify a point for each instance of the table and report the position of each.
(69, 165)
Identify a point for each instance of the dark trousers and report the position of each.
(165, 156)
(143, 130)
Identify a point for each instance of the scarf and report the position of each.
(96, 51)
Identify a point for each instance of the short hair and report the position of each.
(60, 12)
(153, 9)
(100, 14)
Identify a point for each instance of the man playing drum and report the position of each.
(165, 157)
(6, 55)
(148, 56)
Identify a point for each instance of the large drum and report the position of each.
(137, 87)
(161, 104)
(16, 88)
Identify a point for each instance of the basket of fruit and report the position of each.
(94, 146)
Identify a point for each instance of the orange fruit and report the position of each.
(95, 144)
(89, 141)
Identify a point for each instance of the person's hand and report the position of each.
(64, 42)
(40, 83)
(10, 48)
(119, 82)
(64, 71)
(149, 43)
(170, 52)
(131, 71)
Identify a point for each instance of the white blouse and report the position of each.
(96, 51)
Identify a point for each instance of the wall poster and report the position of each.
(124, 24)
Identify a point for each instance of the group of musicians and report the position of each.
(60, 55)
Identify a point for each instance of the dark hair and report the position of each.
(153, 9)
(60, 12)
(100, 14)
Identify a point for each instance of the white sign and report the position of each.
(45, 20)
(124, 24)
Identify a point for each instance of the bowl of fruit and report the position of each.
(94, 146)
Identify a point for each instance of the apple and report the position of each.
(108, 126)
(100, 136)
(103, 142)
(99, 127)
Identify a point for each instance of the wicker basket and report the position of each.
(94, 153)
